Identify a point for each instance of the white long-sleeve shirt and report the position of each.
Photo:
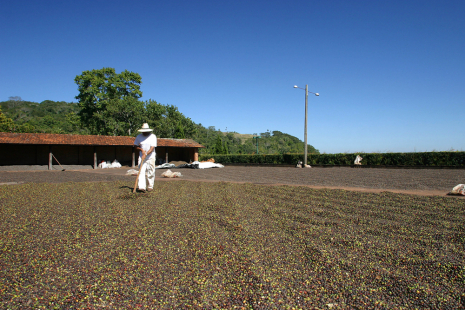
(145, 143)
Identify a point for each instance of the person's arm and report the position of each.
(137, 144)
(144, 153)
(151, 150)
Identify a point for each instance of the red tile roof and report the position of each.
(47, 138)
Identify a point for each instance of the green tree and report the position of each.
(248, 147)
(13, 101)
(6, 123)
(125, 116)
(206, 137)
(24, 128)
(73, 122)
(101, 93)
(168, 122)
(219, 145)
(179, 132)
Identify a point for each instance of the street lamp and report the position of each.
(306, 113)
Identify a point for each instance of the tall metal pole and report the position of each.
(305, 133)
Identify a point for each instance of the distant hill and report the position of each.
(242, 137)
(45, 117)
(274, 142)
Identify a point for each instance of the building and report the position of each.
(49, 149)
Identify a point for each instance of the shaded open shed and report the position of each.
(41, 148)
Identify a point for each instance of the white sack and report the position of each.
(164, 166)
(206, 165)
(458, 190)
(169, 174)
(132, 172)
(115, 164)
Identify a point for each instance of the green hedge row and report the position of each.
(371, 159)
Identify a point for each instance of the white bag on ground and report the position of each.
(358, 160)
(164, 166)
(206, 165)
(169, 174)
(115, 164)
(458, 190)
(132, 172)
(103, 165)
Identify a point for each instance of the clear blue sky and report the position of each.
(390, 73)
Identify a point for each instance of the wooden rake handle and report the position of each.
(137, 178)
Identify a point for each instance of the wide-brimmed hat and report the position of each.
(145, 128)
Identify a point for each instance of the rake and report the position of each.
(137, 178)
(59, 163)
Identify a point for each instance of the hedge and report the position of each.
(456, 159)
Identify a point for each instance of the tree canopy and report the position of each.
(109, 101)
(168, 122)
(6, 123)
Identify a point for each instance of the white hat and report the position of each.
(145, 128)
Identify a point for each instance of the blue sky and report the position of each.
(390, 73)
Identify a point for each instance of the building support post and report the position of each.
(50, 158)
(133, 156)
(95, 158)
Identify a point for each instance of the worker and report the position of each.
(146, 143)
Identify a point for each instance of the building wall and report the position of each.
(86, 155)
(11, 153)
(109, 153)
(176, 154)
(22, 154)
(65, 155)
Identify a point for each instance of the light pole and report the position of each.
(306, 116)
